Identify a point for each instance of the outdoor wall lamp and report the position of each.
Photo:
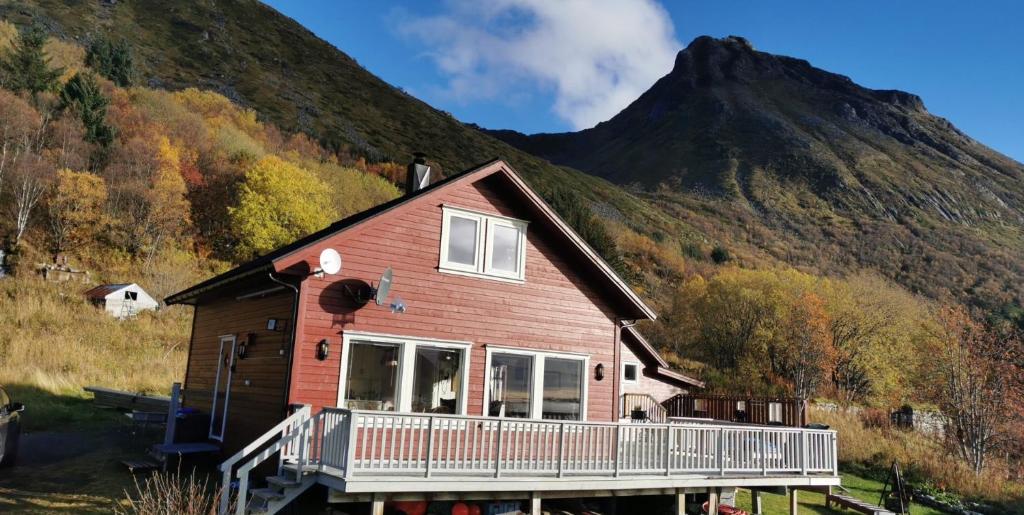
(599, 371)
(322, 349)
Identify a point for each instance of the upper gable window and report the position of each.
(483, 245)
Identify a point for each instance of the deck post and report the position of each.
(680, 501)
(430, 444)
(721, 451)
(618, 447)
(535, 503)
(668, 450)
(803, 453)
(561, 446)
(712, 501)
(792, 501)
(755, 501)
(497, 459)
(835, 455)
(764, 453)
(351, 426)
(377, 505)
(172, 413)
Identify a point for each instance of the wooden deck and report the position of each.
(371, 451)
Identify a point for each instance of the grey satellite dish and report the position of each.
(383, 287)
(330, 262)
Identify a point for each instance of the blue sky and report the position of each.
(549, 66)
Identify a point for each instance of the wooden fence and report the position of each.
(784, 411)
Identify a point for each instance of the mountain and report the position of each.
(259, 58)
(815, 169)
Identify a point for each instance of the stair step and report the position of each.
(283, 481)
(140, 465)
(268, 494)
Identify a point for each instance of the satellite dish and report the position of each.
(383, 287)
(330, 262)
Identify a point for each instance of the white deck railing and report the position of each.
(352, 444)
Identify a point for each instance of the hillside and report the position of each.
(260, 59)
(820, 172)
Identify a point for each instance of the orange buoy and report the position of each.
(460, 509)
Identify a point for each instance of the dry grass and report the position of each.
(872, 448)
(53, 343)
(172, 494)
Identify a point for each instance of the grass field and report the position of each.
(864, 489)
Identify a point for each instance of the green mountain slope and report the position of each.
(261, 59)
(820, 172)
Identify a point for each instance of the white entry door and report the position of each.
(222, 388)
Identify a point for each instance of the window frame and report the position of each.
(484, 252)
(635, 365)
(407, 365)
(774, 406)
(537, 381)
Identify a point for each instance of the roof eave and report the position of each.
(190, 294)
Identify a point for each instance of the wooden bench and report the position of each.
(852, 503)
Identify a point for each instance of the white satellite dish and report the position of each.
(330, 262)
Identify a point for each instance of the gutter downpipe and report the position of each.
(291, 348)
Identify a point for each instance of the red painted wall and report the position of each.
(554, 310)
(656, 388)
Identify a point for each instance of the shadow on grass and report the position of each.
(49, 411)
(69, 455)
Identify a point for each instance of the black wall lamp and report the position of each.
(599, 371)
(322, 349)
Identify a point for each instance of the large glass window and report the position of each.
(462, 240)
(511, 378)
(373, 376)
(437, 380)
(563, 389)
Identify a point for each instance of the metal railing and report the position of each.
(351, 443)
(651, 408)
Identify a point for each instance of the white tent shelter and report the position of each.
(121, 300)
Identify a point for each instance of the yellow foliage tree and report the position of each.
(278, 202)
(169, 208)
(75, 208)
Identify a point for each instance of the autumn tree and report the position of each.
(804, 354)
(82, 95)
(19, 128)
(75, 208)
(977, 381)
(277, 203)
(27, 66)
(578, 215)
(31, 178)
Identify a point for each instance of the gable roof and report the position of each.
(100, 292)
(652, 360)
(269, 261)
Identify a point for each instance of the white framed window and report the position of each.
(775, 412)
(400, 373)
(630, 372)
(482, 245)
(523, 383)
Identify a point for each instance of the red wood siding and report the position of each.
(659, 389)
(554, 310)
(252, 408)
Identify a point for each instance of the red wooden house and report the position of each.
(470, 334)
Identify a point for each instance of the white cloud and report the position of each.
(595, 56)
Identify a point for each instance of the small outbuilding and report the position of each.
(121, 300)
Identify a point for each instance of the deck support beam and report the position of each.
(713, 501)
(793, 501)
(535, 503)
(755, 501)
(680, 502)
(377, 505)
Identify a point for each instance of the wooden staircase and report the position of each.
(281, 490)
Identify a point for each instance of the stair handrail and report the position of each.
(660, 414)
(302, 433)
(293, 421)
